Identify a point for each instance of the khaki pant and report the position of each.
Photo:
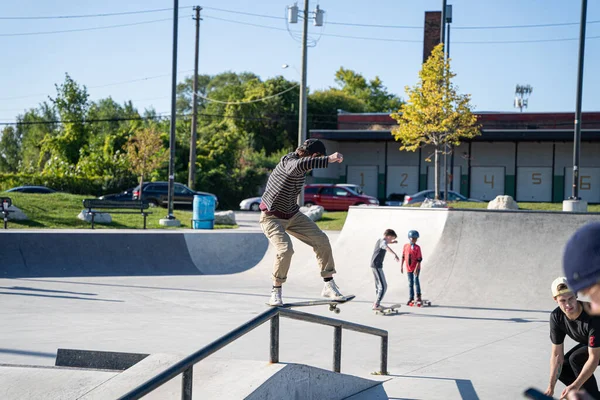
(305, 230)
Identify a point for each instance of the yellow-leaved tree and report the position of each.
(435, 113)
(145, 153)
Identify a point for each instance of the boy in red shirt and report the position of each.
(413, 257)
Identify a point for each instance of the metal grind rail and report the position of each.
(185, 366)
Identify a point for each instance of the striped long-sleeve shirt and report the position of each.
(285, 183)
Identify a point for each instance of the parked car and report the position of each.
(250, 204)
(126, 195)
(395, 199)
(334, 197)
(157, 194)
(32, 189)
(429, 194)
(356, 188)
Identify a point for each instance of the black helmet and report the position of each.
(312, 146)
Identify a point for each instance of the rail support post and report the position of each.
(337, 349)
(275, 339)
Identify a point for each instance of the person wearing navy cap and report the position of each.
(581, 263)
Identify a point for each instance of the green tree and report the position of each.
(372, 93)
(145, 153)
(10, 150)
(71, 103)
(32, 128)
(323, 106)
(435, 114)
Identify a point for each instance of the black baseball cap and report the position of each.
(313, 146)
(581, 258)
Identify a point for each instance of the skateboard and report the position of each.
(333, 304)
(424, 303)
(393, 309)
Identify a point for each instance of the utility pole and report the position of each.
(170, 219)
(194, 137)
(302, 122)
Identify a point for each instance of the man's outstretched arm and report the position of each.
(556, 363)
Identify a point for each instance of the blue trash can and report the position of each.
(204, 212)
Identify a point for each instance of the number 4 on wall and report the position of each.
(490, 182)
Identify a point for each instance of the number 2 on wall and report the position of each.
(490, 182)
(404, 178)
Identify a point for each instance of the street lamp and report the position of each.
(522, 93)
(170, 219)
(574, 203)
(293, 14)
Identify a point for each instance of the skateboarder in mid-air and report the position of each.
(411, 254)
(281, 215)
(381, 247)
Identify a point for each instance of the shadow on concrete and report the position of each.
(491, 309)
(517, 320)
(60, 297)
(465, 386)
(27, 353)
(23, 288)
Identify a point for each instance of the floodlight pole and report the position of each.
(577, 134)
(302, 117)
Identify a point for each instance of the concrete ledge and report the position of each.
(106, 360)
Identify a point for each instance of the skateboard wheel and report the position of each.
(337, 310)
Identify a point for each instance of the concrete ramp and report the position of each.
(131, 253)
(213, 379)
(504, 259)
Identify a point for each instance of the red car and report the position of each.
(334, 197)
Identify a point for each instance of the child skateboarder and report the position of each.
(411, 254)
(381, 247)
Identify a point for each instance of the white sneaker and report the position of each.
(276, 297)
(331, 290)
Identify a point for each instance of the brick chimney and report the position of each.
(431, 32)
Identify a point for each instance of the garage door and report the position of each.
(365, 176)
(534, 184)
(589, 184)
(455, 178)
(487, 182)
(402, 179)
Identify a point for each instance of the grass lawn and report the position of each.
(332, 221)
(60, 210)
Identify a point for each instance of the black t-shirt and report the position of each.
(583, 330)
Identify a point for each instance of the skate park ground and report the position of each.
(485, 336)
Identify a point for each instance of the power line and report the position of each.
(91, 15)
(248, 101)
(98, 86)
(405, 40)
(420, 27)
(88, 29)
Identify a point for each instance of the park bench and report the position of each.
(5, 203)
(134, 207)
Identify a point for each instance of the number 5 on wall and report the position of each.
(536, 178)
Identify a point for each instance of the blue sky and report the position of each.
(116, 62)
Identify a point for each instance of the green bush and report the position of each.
(94, 186)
